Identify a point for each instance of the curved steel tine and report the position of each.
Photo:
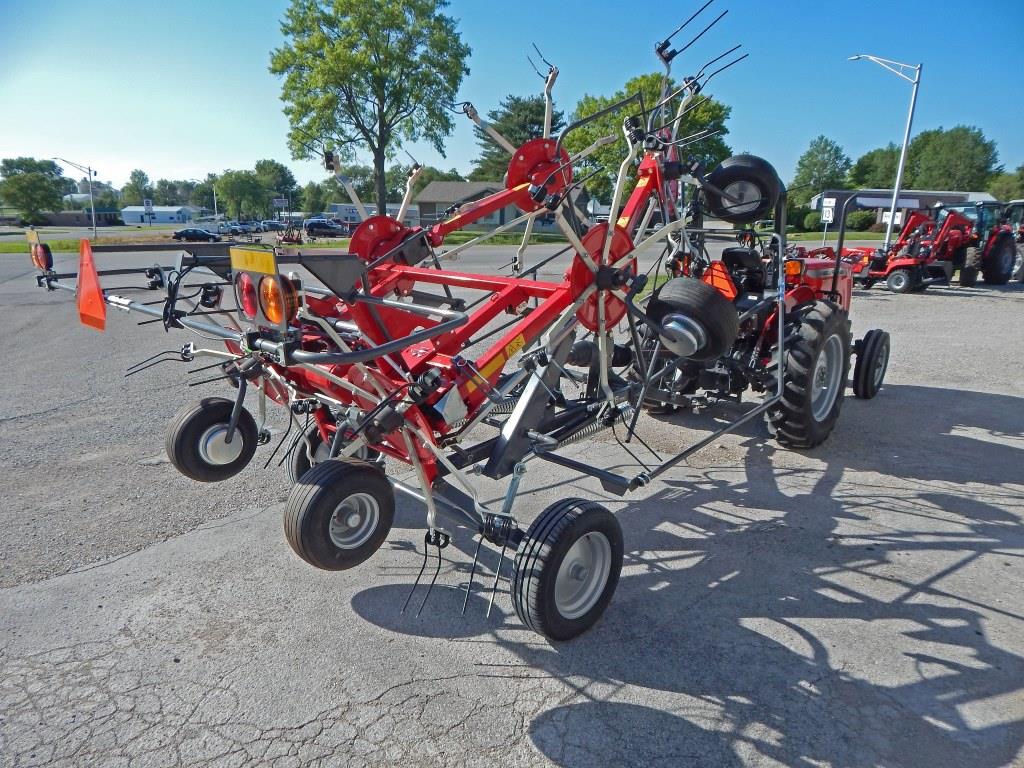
(497, 575)
(419, 576)
(472, 573)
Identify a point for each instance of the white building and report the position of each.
(162, 214)
(348, 213)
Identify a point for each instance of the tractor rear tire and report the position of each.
(702, 304)
(567, 568)
(900, 281)
(196, 441)
(969, 271)
(998, 267)
(339, 514)
(872, 362)
(817, 365)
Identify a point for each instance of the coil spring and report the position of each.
(625, 411)
(634, 130)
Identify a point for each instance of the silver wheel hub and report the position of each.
(213, 449)
(354, 521)
(682, 335)
(583, 575)
(825, 379)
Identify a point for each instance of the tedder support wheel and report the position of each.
(816, 368)
(196, 442)
(696, 320)
(900, 281)
(872, 361)
(567, 568)
(998, 267)
(339, 513)
(299, 462)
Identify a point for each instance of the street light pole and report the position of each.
(900, 70)
(89, 173)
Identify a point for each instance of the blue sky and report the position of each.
(180, 89)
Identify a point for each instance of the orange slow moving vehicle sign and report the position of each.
(92, 309)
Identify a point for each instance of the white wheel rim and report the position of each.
(881, 363)
(354, 521)
(214, 450)
(583, 574)
(825, 379)
(899, 280)
(748, 194)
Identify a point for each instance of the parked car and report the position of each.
(324, 228)
(194, 235)
(255, 226)
(272, 226)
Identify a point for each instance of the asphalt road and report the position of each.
(855, 605)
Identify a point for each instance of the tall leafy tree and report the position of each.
(137, 189)
(429, 174)
(876, 169)
(241, 192)
(202, 193)
(518, 119)
(276, 178)
(1008, 186)
(823, 166)
(165, 192)
(313, 200)
(709, 114)
(375, 74)
(31, 185)
(959, 158)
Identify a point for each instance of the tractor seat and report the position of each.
(741, 258)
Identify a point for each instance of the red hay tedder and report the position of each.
(402, 368)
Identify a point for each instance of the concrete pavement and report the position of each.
(856, 605)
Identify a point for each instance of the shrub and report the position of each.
(795, 216)
(812, 221)
(877, 227)
(860, 220)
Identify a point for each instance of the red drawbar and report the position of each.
(717, 276)
(92, 309)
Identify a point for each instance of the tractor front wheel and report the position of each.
(339, 514)
(197, 442)
(567, 568)
(969, 271)
(900, 281)
(817, 365)
(872, 362)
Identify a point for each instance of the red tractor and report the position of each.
(1014, 214)
(970, 237)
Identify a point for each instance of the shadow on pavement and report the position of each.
(738, 611)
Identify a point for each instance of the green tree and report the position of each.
(363, 181)
(276, 178)
(166, 192)
(960, 158)
(241, 192)
(1008, 186)
(876, 169)
(822, 166)
(710, 114)
(518, 119)
(377, 73)
(313, 198)
(31, 185)
(137, 189)
(202, 193)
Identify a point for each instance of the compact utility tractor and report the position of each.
(969, 237)
(400, 376)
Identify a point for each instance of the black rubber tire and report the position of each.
(998, 267)
(187, 429)
(317, 496)
(703, 304)
(743, 168)
(298, 460)
(792, 420)
(872, 363)
(540, 556)
(969, 271)
(900, 281)
(868, 284)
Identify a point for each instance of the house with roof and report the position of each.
(161, 214)
(439, 199)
